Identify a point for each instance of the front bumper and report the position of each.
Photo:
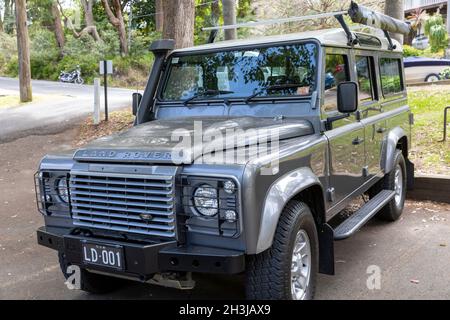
(143, 261)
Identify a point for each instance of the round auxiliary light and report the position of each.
(229, 187)
(230, 215)
(206, 202)
(63, 191)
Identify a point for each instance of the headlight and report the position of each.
(62, 189)
(206, 201)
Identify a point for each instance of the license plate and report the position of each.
(105, 256)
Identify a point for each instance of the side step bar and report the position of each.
(363, 215)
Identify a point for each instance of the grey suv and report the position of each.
(138, 206)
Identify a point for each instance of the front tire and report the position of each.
(288, 269)
(91, 282)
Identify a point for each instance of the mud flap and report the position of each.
(409, 174)
(326, 250)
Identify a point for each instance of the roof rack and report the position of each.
(358, 14)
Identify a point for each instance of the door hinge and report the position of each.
(331, 195)
(365, 171)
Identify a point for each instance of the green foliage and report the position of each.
(445, 74)
(409, 51)
(144, 16)
(437, 32)
(39, 12)
(8, 51)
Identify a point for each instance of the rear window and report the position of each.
(391, 81)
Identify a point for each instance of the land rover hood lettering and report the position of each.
(155, 141)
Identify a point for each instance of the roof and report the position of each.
(327, 37)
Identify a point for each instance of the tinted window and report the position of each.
(390, 76)
(336, 71)
(363, 69)
(275, 71)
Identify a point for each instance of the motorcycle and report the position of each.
(71, 77)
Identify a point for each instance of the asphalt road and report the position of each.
(412, 254)
(57, 106)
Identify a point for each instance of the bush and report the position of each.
(409, 51)
(436, 32)
(8, 51)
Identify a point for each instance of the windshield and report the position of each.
(287, 70)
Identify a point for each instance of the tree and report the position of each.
(179, 17)
(395, 9)
(229, 17)
(57, 26)
(159, 16)
(90, 27)
(23, 46)
(115, 17)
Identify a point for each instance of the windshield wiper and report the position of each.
(274, 87)
(206, 93)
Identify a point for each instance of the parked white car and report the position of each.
(419, 69)
(421, 42)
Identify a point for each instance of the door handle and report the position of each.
(381, 130)
(357, 141)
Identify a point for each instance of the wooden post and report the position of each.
(23, 46)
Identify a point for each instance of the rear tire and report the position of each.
(432, 78)
(91, 282)
(395, 181)
(288, 269)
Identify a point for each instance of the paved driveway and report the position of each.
(57, 106)
(411, 255)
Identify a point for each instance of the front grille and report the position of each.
(139, 204)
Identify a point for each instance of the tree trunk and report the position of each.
(89, 19)
(116, 19)
(215, 13)
(395, 9)
(90, 28)
(23, 47)
(1, 23)
(58, 28)
(229, 17)
(179, 19)
(159, 17)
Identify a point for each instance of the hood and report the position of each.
(184, 140)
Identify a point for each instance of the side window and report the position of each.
(391, 82)
(364, 73)
(336, 71)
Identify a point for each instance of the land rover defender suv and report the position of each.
(242, 156)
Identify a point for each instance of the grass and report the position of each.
(429, 153)
(8, 101)
(11, 101)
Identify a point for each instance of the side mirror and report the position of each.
(137, 98)
(347, 97)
